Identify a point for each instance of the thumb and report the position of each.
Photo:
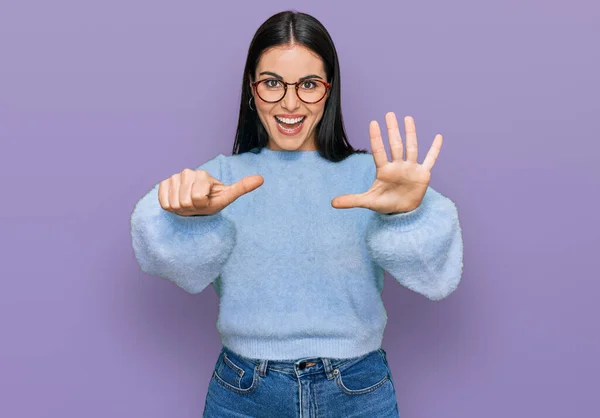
(245, 185)
(347, 201)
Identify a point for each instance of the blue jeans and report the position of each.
(315, 387)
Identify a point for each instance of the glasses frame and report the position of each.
(285, 86)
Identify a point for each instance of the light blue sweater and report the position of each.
(295, 276)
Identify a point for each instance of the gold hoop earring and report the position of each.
(250, 103)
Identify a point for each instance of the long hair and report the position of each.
(300, 28)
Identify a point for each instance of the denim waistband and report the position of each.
(305, 365)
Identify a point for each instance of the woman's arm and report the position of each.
(422, 249)
(187, 250)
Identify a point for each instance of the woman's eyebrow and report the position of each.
(277, 76)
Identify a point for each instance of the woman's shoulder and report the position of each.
(361, 157)
(363, 162)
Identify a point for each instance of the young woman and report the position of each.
(294, 232)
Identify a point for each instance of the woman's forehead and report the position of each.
(291, 62)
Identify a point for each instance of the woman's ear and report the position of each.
(250, 84)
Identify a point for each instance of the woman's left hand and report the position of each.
(399, 185)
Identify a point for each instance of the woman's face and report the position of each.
(290, 63)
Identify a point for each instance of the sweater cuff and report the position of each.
(406, 221)
(208, 221)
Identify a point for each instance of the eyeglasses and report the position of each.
(272, 90)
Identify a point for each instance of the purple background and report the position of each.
(99, 102)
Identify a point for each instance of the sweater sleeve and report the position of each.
(186, 250)
(422, 249)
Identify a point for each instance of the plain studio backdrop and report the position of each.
(100, 101)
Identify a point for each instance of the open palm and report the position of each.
(399, 185)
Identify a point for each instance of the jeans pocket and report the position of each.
(363, 376)
(235, 374)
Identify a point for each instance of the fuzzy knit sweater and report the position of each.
(295, 276)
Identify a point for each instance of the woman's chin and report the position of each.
(286, 143)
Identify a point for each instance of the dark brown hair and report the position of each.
(300, 28)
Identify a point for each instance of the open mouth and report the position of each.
(290, 126)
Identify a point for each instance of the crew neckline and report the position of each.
(288, 155)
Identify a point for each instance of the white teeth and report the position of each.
(289, 121)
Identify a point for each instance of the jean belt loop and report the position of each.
(328, 368)
(262, 367)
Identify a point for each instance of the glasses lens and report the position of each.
(311, 91)
(270, 90)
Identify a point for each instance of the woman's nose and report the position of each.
(290, 100)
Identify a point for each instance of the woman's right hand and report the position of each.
(196, 192)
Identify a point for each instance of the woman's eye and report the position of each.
(272, 83)
(309, 84)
